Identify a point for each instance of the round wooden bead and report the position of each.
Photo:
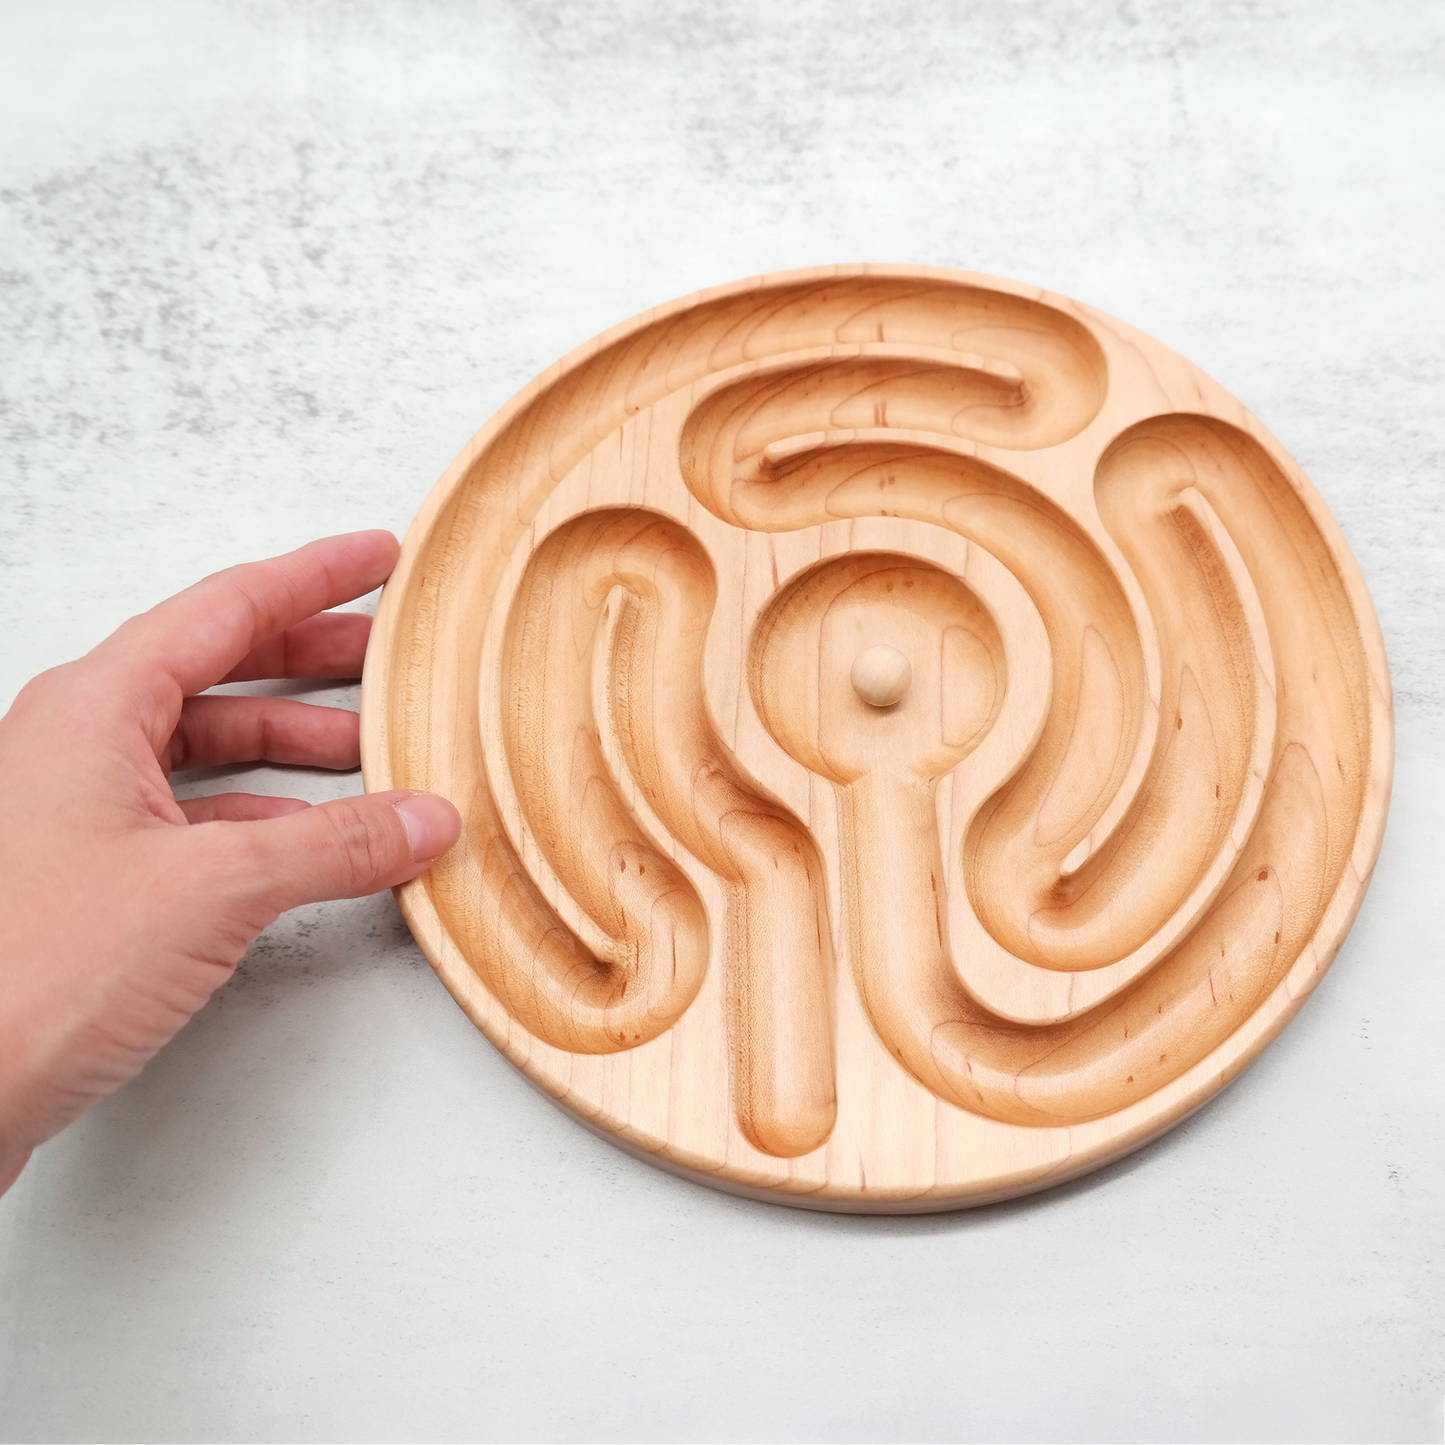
(881, 675)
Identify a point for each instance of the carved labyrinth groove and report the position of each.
(854, 953)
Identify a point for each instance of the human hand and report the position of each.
(123, 910)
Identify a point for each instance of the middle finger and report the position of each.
(331, 644)
(216, 730)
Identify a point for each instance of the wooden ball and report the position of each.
(881, 675)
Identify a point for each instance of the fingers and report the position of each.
(214, 730)
(332, 644)
(197, 637)
(343, 849)
(239, 808)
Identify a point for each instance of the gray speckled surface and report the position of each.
(264, 267)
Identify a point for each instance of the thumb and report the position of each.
(348, 848)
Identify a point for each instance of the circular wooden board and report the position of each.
(813, 947)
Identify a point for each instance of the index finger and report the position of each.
(192, 640)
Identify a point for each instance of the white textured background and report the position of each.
(264, 267)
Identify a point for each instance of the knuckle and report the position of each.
(47, 687)
(361, 841)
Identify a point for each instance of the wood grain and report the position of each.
(867, 954)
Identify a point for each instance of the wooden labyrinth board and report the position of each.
(918, 737)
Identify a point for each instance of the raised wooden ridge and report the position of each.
(777, 933)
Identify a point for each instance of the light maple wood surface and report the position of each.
(733, 907)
